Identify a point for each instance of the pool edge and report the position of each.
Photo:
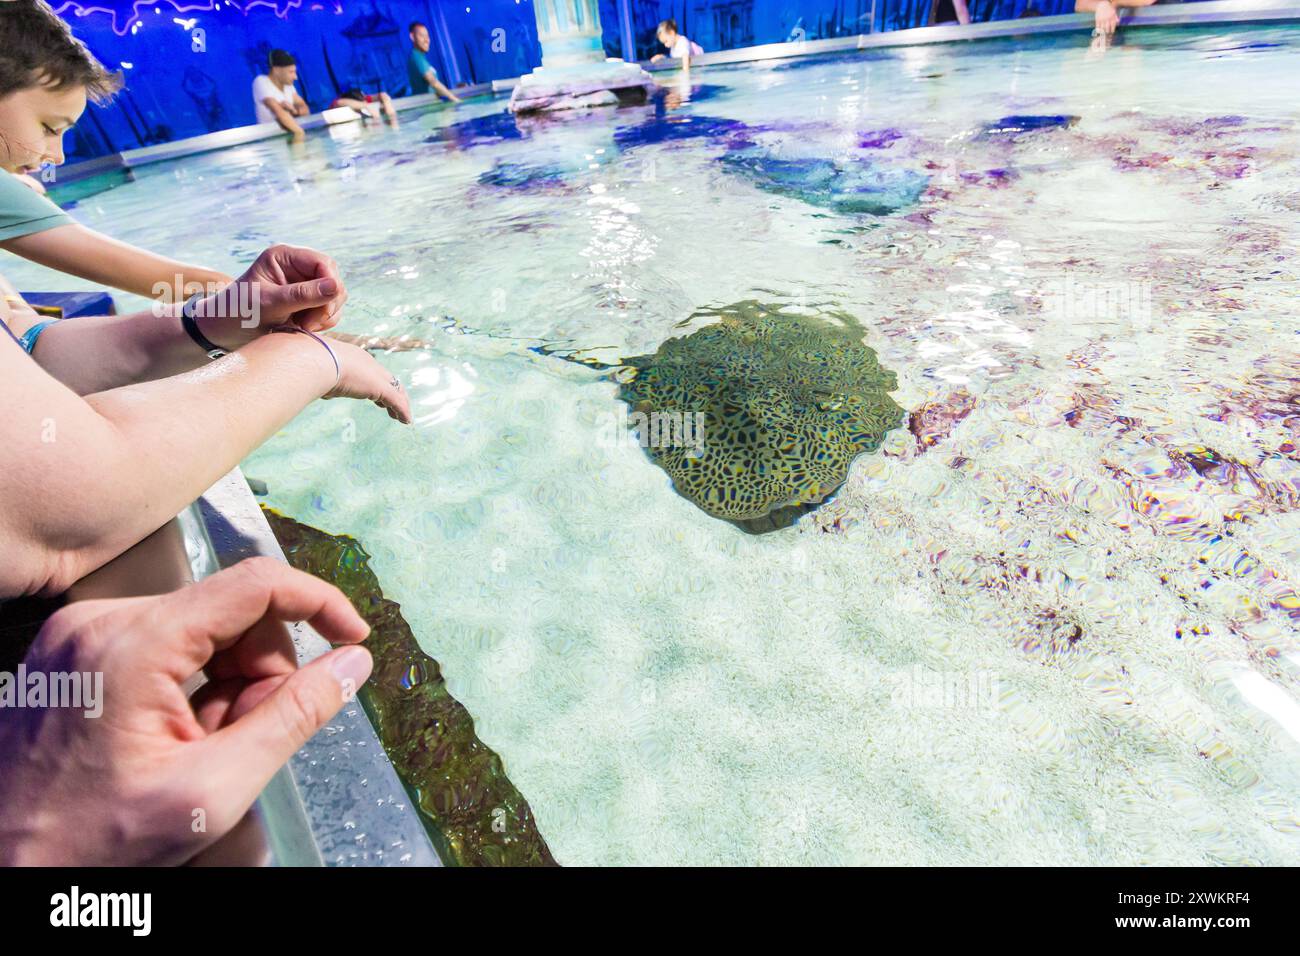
(341, 786)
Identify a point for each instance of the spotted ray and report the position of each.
(757, 416)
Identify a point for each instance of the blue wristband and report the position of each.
(28, 338)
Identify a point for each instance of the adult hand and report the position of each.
(285, 284)
(159, 776)
(1107, 18)
(360, 376)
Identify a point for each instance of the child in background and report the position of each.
(367, 104)
(679, 48)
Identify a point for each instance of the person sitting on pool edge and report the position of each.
(948, 11)
(367, 104)
(419, 70)
(679, 48)
(275, 100)
(1106, 13)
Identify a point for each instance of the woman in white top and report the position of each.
(679, 48)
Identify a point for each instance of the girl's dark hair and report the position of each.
(670, 24)
(38, 49)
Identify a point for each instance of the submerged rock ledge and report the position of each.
(473, 811)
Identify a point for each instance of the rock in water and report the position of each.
(757, 417)
(476, 815)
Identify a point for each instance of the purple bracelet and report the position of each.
(338, 369)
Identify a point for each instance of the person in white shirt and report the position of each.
(679, 48)
(274, 98)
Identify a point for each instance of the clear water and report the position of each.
(1061, 626)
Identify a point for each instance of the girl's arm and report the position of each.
(93, 256)
(86, 479)
(286, 285)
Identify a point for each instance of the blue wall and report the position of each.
(190, 64)
(727, 24)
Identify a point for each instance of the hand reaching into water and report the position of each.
(360, 376)
(159, 777)
(1107, 18)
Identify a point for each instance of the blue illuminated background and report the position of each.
(190, 64)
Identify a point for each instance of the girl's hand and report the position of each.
(360, 376)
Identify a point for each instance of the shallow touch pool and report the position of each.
(1053, 620)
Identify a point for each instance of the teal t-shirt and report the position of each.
(24, 211)
(417, 65)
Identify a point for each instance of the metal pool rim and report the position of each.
(339, 801)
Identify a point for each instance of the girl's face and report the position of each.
(32, 123)
(666, 38)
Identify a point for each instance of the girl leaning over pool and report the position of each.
(113, 424)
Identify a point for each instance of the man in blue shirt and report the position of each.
(422, 74)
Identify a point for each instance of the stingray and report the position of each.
(676, 127)
(486, 130)
(526, 176)
(757, 416)
(1010, 127)
(853, 185)
(879, 139)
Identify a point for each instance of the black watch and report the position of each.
(192, 328)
